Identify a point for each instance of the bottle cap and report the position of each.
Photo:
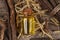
(27, 11)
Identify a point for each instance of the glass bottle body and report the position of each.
(28, 25)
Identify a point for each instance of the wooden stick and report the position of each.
(12, 19)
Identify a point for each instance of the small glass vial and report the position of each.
(28, 22)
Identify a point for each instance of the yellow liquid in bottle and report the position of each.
(29, 25)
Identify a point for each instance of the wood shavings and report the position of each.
(39, 12)
(56, 31)
(43, 30)
(55, 21)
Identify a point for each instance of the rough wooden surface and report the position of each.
(4, 14)
(12, 19)
(2, 29)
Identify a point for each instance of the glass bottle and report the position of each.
(28, 22)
